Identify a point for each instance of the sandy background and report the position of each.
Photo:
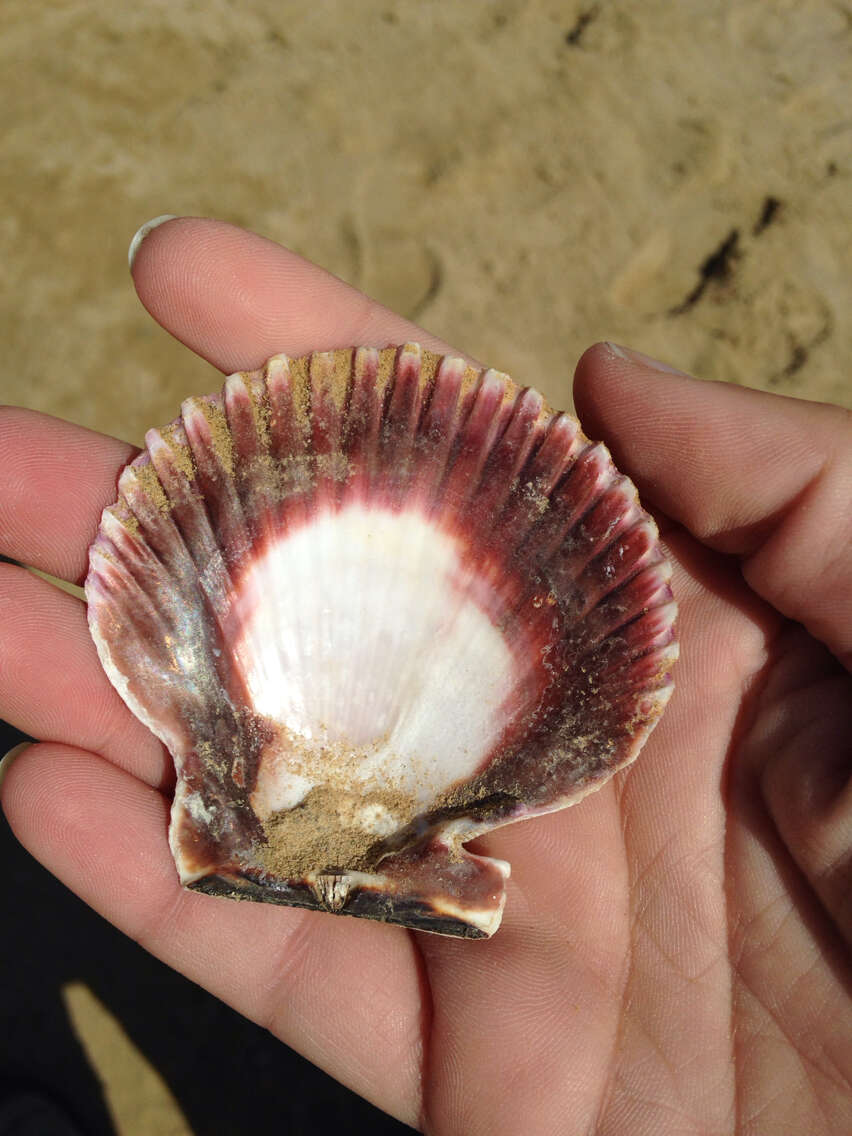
(522, 178)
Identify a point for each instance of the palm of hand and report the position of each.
(663, 960)
(673, 948)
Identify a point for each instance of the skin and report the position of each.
(675, 952)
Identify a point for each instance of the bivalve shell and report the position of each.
(376, 603)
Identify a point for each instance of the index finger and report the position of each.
(233, 297)
(236, 298)
(765, 478)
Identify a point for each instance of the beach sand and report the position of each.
(521, 178)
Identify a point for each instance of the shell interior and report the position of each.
(375, 603)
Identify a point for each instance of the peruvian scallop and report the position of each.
(376, 603)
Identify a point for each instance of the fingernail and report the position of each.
(143, 231)
(6, 761)
(631, 356)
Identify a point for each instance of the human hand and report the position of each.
(675, 951)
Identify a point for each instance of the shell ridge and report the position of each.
(472, 443)
(329, 374)
(345, 420)
(446, 415)
(191, 530)
(138, 614)
(397, 456)
(247, 448)
(205, 423)
(292, 434)
(530, 501)
(285, 433)
(572, 573)
(571, 498)
(361, 421)
(374, 379)
(601, 579)
(252, 507)
(508, 457)
(618, 640)
(158, 536)
(561, 444)
(644, 589)
(483, 477)
(205, 586)
(194, 545)
(430, 363)
(113, 576)
(424, 448)
(286, 440)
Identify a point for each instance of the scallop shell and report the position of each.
(376, 603)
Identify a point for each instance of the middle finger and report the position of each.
(52, 685)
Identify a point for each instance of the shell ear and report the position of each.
(376, 602)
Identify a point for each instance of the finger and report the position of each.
(52, 685)
(798, 744)
(764, 477)
(344, 993)
(236, 298)
(57, 478)
(230, 295)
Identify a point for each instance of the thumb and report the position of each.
(764, 477)
(767, 479)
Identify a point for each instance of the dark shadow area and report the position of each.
(229, 1077)
(574, 35)
(715, 268)
(768, 215)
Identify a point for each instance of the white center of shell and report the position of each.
(361, 639)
